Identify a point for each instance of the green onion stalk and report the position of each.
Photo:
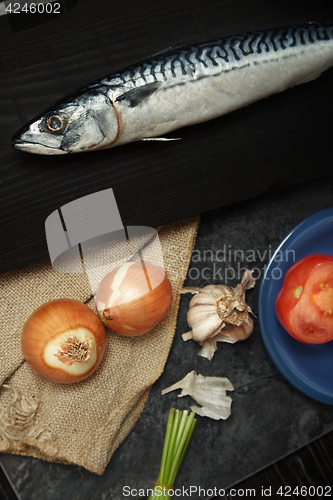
(179, 430)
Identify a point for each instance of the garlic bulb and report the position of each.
(209, 392)
(219, 313)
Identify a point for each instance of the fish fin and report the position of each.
(161, 139)
(309, 78)
(162, 52)
(135, 96)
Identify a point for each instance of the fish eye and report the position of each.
(55, 124)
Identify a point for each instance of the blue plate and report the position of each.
(307, 367)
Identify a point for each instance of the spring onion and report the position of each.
(179, 430)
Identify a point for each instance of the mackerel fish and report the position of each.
(179, 87)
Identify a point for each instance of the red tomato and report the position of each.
(304, 305)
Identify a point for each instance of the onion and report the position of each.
(134, 298)
(63, 340)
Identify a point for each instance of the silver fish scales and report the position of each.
(180, 87)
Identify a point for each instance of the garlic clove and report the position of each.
(187, 336)
(241, 332)
(209, 392)
(198, 315)
(223, 338)
(202, 330)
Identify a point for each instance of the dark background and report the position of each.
(275, 143)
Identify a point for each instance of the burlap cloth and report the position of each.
(81, 423)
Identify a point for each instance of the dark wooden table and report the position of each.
(277, 142)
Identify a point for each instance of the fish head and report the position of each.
(82, 122)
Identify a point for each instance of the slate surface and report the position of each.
(277, 141)
(270, 418)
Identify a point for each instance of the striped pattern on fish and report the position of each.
(180, 87)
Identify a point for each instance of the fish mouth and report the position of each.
(36, 148)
